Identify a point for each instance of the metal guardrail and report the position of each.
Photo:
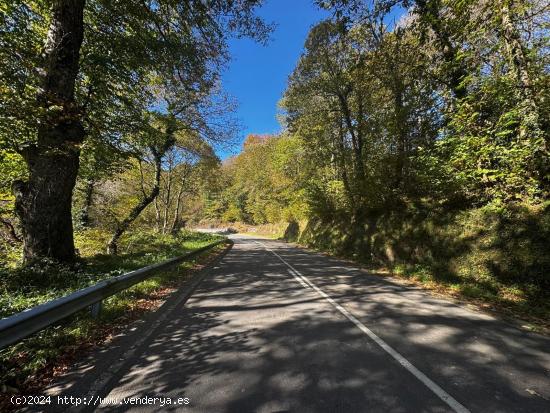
(28, 322)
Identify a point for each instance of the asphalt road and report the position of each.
(274, 328)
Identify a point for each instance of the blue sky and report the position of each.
(257, 75)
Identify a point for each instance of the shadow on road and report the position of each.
(252, 339)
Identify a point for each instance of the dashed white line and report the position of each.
(436, 389)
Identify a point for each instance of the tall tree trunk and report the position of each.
(520, 63)
(176, 223)
(166, 212)
(342, 163)
(84, 218)
(43, 203)
(356, 134)
(530, 127)
(157, 215)
(112, 246)
(400, 120)
(431, 12)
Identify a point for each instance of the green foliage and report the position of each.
(258, 186)
(450, 104)
(12, 167)
(130, 50)
(486, 150)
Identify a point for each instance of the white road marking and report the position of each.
(442, 394)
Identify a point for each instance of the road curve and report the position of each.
(275, 328)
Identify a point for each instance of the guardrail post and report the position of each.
(95, 309)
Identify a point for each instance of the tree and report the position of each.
(180, 180)
(100, 159)
(43, 202)
(260, 185)
(165, 134)
(483, 77)
(71, 66)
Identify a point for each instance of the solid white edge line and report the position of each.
(442, 394)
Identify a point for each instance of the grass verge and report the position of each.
(501, 301)
(507, 301)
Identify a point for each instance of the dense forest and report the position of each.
(415, 134)
(94, 93)
(420, 143)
